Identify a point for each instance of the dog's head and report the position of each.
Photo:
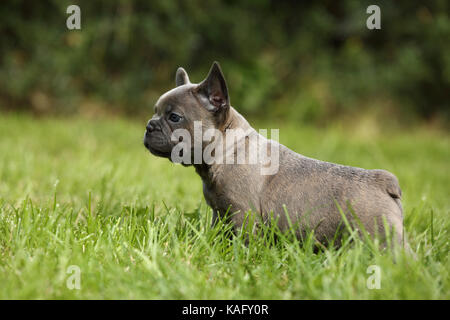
(180, 107)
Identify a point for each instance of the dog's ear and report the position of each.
(214, 88)
(181, 77)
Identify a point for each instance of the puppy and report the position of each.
(295, 190)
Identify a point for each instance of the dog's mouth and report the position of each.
(156, 152)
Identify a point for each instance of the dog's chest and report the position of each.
(218, 199)
(212, 196)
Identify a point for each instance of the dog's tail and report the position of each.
(389, 183)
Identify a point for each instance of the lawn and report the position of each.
(86, 193)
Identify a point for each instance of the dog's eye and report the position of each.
(174, 117)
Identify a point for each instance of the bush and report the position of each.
(312, 61)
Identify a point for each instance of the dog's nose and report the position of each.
(151, 126)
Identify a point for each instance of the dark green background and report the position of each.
(298, 61)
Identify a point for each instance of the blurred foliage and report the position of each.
(301, 61)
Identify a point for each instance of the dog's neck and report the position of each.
(233, 121)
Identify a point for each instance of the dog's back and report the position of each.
(311, 191)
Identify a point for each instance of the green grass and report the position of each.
(86, 193)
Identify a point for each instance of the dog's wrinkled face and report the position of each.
(180, 107)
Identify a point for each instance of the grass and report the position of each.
(86, 193)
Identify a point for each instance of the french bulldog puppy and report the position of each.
(302, 192)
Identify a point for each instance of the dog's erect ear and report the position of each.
(214, 88)
(181, 77)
